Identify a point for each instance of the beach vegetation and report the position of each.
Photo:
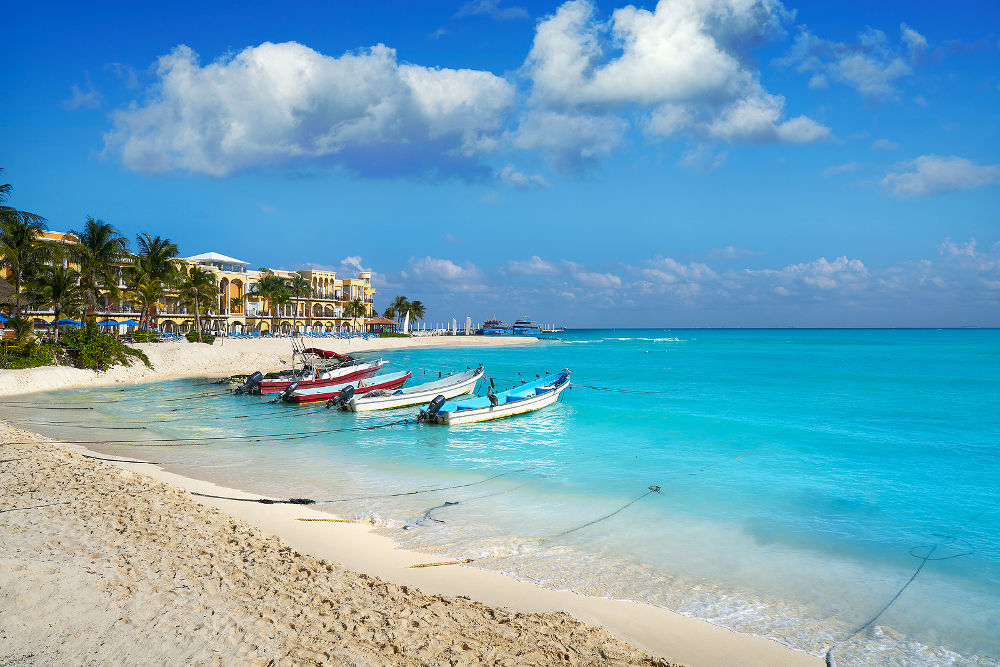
(153, 273)
(399, 307)
(274, 290)
(299, 287)
(392, 334)
(199, 337)
(198, 290)
(417, 310)
(141, 337)
(23, 328)
(99, 254)
(85, 347)
(21, 250)
(355, 309)
(31, 355)
(57, 287)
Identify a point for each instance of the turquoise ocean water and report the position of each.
(805, 475)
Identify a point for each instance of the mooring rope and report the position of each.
(413, 493)
(427, 515)
(309, 501)
(101, 458)
(652, 489)
(945, 540)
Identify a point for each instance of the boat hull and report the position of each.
(340, 376)
(459, 417)
(334, 391)
(367, 403)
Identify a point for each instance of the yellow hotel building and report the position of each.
(237, 309)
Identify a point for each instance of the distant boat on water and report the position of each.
(495, 327)
(525, 327)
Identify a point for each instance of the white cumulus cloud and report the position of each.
(280, 102)
(936, 174)
(534, 266)
(570, 140)
(683, 62)
(520, 180)
(444, 274)
(872, 66)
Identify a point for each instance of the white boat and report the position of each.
(449, 387)
(526, 398)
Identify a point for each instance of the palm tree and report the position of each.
(100, 253)
(417, 310)
(280, 297)
(400, 306)
(147, 288)
(155, 263)
(199, 291)
(58, 287)
(299, 287)
(21, 249)
(23, 329)
(355, 309)
(272, 289)
(389, 313)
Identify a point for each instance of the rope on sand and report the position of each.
(447, 562)
(101, 458)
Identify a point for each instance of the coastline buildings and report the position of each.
(237, 308)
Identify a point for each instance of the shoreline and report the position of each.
(652, 630)
(225, 357)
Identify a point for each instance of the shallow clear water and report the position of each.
(803, 475)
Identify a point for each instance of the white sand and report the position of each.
(223, 358)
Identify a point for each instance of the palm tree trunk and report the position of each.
(16, 308)
(197, 316)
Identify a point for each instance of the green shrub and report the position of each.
(392, 334)
(86, 348)
(30, 355)
(141, 337)
(192, 337)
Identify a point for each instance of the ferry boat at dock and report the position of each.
(495, 327)
(525, 327)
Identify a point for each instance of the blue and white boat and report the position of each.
(525, 327)
(495, 327)
(528, 397)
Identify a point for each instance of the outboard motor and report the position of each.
(430, 413)
(345, 395)
(250, 385)
(288, 391)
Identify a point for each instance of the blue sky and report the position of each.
(686, 163)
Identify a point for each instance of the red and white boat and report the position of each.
(320, 394)
(325, 378)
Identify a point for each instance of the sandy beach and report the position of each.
(105, 562)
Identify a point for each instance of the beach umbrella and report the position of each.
(107, 323)
(129, 323)
(65, 322)
(4, 318)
